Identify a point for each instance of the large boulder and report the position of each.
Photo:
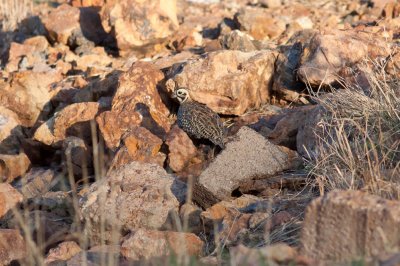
(229, 82)
(346, 225)
(133, 196)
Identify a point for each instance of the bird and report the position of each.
(198, 120)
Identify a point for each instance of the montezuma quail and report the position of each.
(197, 119)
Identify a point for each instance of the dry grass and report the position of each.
(359, 137)
(12, 12)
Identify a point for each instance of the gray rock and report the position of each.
(134, 196)
(249, 156)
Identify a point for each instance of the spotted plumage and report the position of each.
(198, 120)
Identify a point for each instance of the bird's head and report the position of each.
(181, 94)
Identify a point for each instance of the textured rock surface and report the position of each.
(13, 166)
(36, 182)
(147, 244)
(229, 82)
(64, 251)
(12, 246)
(249, 156)
(9, 198)
(10, 131)
(345, 225)
(134, 196)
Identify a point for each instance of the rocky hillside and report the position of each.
(96, 170)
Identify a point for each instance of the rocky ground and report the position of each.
(96, 171)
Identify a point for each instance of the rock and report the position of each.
(271, 3)
(13, 166)
(137, 24)
(345, 225)
(97, 255)
(237, 40)
(36, 182)
(79, 155)
(249, 156)
(9, 198)
(229, 82)
(181, 149)
(277, 254)
(259, 23)
(74, 26)
(136, 103)
(64, 251)
(147, 244)
(137, 196)
(12, 246)
(28, 94)
(86, 3)
(331, 54)
(68, 121)
(10, 131)
(190, 217)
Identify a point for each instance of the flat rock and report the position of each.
(249, 156)
(228, 82)
(346, 225)
(136, 195)
(146, 244)
(9, 198)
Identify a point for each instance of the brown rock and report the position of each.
(136, 102)
(139, 23)
(85, 3)
(64, 251)
(276, 254)
(146, 244)
(28, 94)
(249, 156)
(9, 198)
(13, 166)
(68, 121)
(139, 196)
(12, 246)
(97, 255)
(77, 152)
(229, 82)
(10, 131)
(259, 23)
(181, 149)
(345, 225)
(237, 40)
(36, 182)
(331, 53)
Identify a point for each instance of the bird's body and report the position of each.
(199, 121)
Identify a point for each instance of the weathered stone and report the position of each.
(147, 244)
(13, 166)
(10, 131)
(86, 3)
(190, 217)
(137, 24)
(135, 103)
(78, 154)
(9, 198)
(134, 196)
(345, 225)
(28, 94)
(249, 156)
(36, 182)
(331, 54)
(237, 40)
(12, 246)
(259, 23)
(64, 251)
(97, 255)
(181, 149)
(229, 82)
(62, 123)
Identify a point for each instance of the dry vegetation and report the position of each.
(12, 12)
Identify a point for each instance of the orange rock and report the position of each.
(12, 246)
(9, 198)
(13, 166)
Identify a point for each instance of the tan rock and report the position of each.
(137, 196)
(36, 182)
(139, 23)
(28, 95)
(345, 225)
(249, 156)
(229, 82)
(136, 102)
(78, 153)
(97, 255)
(10, 131)
(147, 244)
(13, 166)
(9, 198)
(331, 54)
(12, 246)
(85, 3)
(64, 251)
(237, 40)
(276, 254)
(181, 149)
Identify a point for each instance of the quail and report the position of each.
(197, 119)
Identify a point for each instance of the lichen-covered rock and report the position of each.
(134, 196)
(229, 82)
